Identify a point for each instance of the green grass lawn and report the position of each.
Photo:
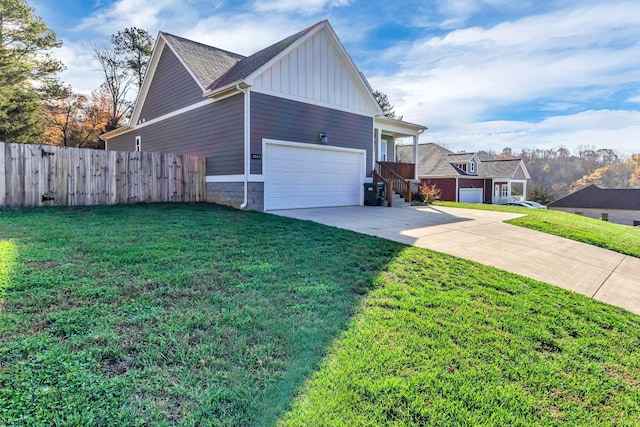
(619, 238)
(203, 315)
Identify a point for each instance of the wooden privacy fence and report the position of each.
(44, 175)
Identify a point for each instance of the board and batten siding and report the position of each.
(215, 131)
(315, 70)
(172, 88)
(286, 120)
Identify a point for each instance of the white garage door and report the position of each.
(308, 176)
(471, 195)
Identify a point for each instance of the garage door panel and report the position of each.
(471, 195)
(299, 177)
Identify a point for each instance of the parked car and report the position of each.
(534, 204)
(521, 204)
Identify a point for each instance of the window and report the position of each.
(383, 150)
(472, 167)
(505, 190)
(138, 143)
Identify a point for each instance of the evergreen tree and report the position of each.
(136, 45)
(27, 70)
(384, 103)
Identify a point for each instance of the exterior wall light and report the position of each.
(323, 138)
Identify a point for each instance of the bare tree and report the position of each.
(118, 83)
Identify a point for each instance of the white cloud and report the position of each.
(82, 69)
(619, 130)
(303, 7)
(243, 34)
(564, 60)
(151, 15)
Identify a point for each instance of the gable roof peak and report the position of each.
(250, 64)
(206, 63)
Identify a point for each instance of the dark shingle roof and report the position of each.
(205, 62)
(215, 68)
(435, 160)
(502, 168)
(596, 197)
(251, 63)
(430, 159)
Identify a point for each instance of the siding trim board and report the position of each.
(215, 130)
(308, 101)
(234, 178)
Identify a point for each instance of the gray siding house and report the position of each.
(292, 126)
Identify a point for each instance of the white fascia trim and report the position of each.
(234, 178)
(126, 129)
(176, 113)
(285, 52)
(311, 102)
(354, 69)
(266, 142)
(116, 132)
(337, 44)
(148, 77)
(184, 64)
(226, 91)
(522, 166)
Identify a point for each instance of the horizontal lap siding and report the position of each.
(172, 88)
(287, 120)
(471, 183)
(447, 187)
(215, 131)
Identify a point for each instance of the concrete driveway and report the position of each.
(482, 236)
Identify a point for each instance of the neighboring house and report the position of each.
(468, 177)
(619, 205)
(294, 125)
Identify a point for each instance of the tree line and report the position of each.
(37, 107)
(557, 172)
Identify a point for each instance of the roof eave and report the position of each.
(226, 90)
(116, 132)
(384, 119)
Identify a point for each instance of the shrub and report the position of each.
(428, 193)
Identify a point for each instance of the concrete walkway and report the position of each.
(482, 236)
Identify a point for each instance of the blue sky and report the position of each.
(481, 74)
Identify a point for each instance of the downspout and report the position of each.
(247, 134)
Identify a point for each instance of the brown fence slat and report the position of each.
(39, 175)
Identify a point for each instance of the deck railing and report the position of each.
(405, 170)
(393, 180)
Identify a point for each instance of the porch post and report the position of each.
(509, 190)
(524, 190)
(415, 156)
(378, 142)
